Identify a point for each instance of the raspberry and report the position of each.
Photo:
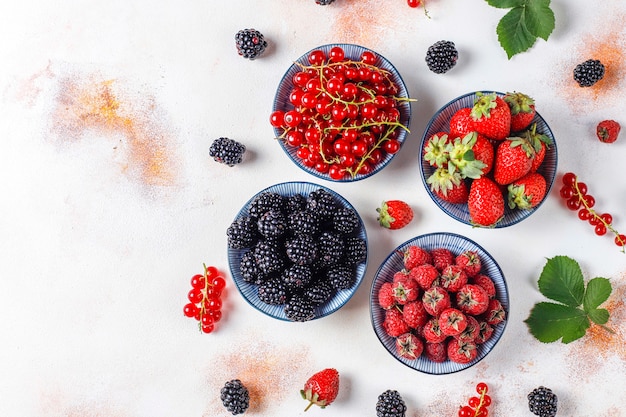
(415, 256)
(405, 290)
(436, 352)
(435, 300)
(235, 397)
(542, 402)
(390, 404)
(442, 257)
(386, 300)
(409, 346)
(470, 261)
(441, 57)
(424, 275)
(227, 151)
(394, 325)
(250, 43)
(414, 314)
(589, 72)
(452, 278)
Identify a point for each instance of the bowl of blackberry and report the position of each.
(488, 159)
(341, 112)
(439, 303)
(297, 251)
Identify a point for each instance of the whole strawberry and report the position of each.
(437, 148)
(522, 110)
(394, 214)
(608, 130)
(527, 192)
(514, 159)
(491, 116)
(448, 185)
(322, 388)
(485, 203)
(461, 122)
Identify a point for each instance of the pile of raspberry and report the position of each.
(441, 305)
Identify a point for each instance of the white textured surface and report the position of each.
(108, 211)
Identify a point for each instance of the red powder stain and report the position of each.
(54, 403)
(89, 104)
(269, 372)
(27, 91)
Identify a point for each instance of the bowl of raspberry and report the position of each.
(297, 251)
(488, 159)
(439, 303)
(341, 112)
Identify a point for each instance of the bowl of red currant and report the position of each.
(297, 251)
(341, 112)
(488, 159)
(439, 303)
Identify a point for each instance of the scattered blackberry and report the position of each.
(542, 402)
(235, 397)
(322, 202)
(341, 277)
(390, 404)
(345, 220)
(319, 293)
(441, 56)
(249, 269)
(356, 250)
(265, 202)
(302, 250)
(273, 291)
(304, 222)
(295, 203)
(589, 72)
(227, 151)
(297, 277)
(299, 308)
(269, 257)
(324, 2)
(331, 248)
(272, 224)
(250, 43)
(242, 233)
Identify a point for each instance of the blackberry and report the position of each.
(302, 250)
(235, 397)
(227, 151)
(304, 222)
(345, 220)
(269, 257)
(272, 224)
(297, 277)
(249, 270)
(331, 248)
(273, 291)
(324, 2)
(542, 402)
(299, 308)
(390, 404)
(356, 250)
(250, 43)
(265, 202)
(242, 233)
(341, 277)
(441, 56)
(319, 293)
(589, 72)
(322, 202)
(295, 203)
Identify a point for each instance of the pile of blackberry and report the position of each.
(390, 404)
(589, 72)
(227, 151)
(250, 43)
(542, 402)
(441, 56)
(298, 250)
(235, 397)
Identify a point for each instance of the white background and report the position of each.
(103, 221)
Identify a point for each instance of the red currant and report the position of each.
(198, 281)
(292, 118)
(342, 147)
(414, 3)
(466, 411)
(589, 200)
(300, 78)
(486, 400)
(294, 138)
(606, 218)
(566, 192)
(277, 118)
(213, 303)
(573, 203)
(336, 54)
(391, 146)
(336, 172)
(206, 320)
(208, 328)
(482, 388)
(317, 57)
(219, 283)
(473, 402)
(583, 214)
(215, 314)
(190, 310)
(569, 179)
(600, 229)
(620, 240)
(368, 57)
(195, 295)
(582, 188)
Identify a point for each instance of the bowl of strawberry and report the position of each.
(488, 159)
(341, 112)
(439, 303)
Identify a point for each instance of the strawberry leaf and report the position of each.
(599, 315)
(506, 4)
(562, 280)
(549, 322)
(513, 35)
(540, 19)
(597, 292)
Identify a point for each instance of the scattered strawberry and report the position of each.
(608, 131)
(409, 346)
(470, 261)
(472, 299)
(522, 110)
(394, 324)
(491, 116)
(414, 314)
(394, 214)
(452, 321)
(322, 388)
(414, 256)
(435, 300)
(485, 202)
(424, 275)
(527, 192)
(461, 351)
(514, 159)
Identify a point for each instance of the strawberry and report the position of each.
(432, 332)
(453, 278)
(386, 300)
(514, 159)
(491, 116)
(470, 261)
(442, 257)
(527, 192)
(437, 149)
(484, 333)
(452, 321)
(461, 351)
(461, 122)
(405, 290)
(394, 214)
(608, 131)
(414, 256)
(462, 156)
(485, 282)
(322, 388)
(409, 346)
(448, 186)
(472, 299)
(436, 352)
(471, 331)
(540, 142)
(495, 313)
(484, 152)
(414, 314)
(424, 275)
(394, 324)
(435, 300)
(485, 202)
(522, 110)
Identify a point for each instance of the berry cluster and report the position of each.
(205, 298)
(477, 406)
(390, 404)
(441, 56)
(250, 43)
(298, 250)
(345, 117)
(227, 151)
(440, 305)
(589, 72)
(543, 402)
(235, 396)
(577, 198)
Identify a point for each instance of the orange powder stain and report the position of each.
(91, 105)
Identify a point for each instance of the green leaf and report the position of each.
(599, 315)
(562, 280)
(549, 322)
(513, 35)
(506, 4)
(597, 292)
(540, 20)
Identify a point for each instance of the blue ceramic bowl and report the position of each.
(440, 122)
(353, 52)
(394, 262)
(249, 290)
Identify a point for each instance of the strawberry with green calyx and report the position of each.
(540, 142)
(527, 192)
(394, 214)
(461, 122)
(607, 131)
(437, 149)
(484, 152)
(448, 185)
(491, 116)
(485, 203)
(522, 110)
(321, 388)
(463, 157)
(514, 159)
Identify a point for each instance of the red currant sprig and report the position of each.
(205, 299)
(575, 194)
(477, 406)
(418, 3)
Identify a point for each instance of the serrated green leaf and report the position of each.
(505, 4)
(598, 315)
(540, 20)
(562, 280)
(549, 322)
(598, 291)
(513, 35)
